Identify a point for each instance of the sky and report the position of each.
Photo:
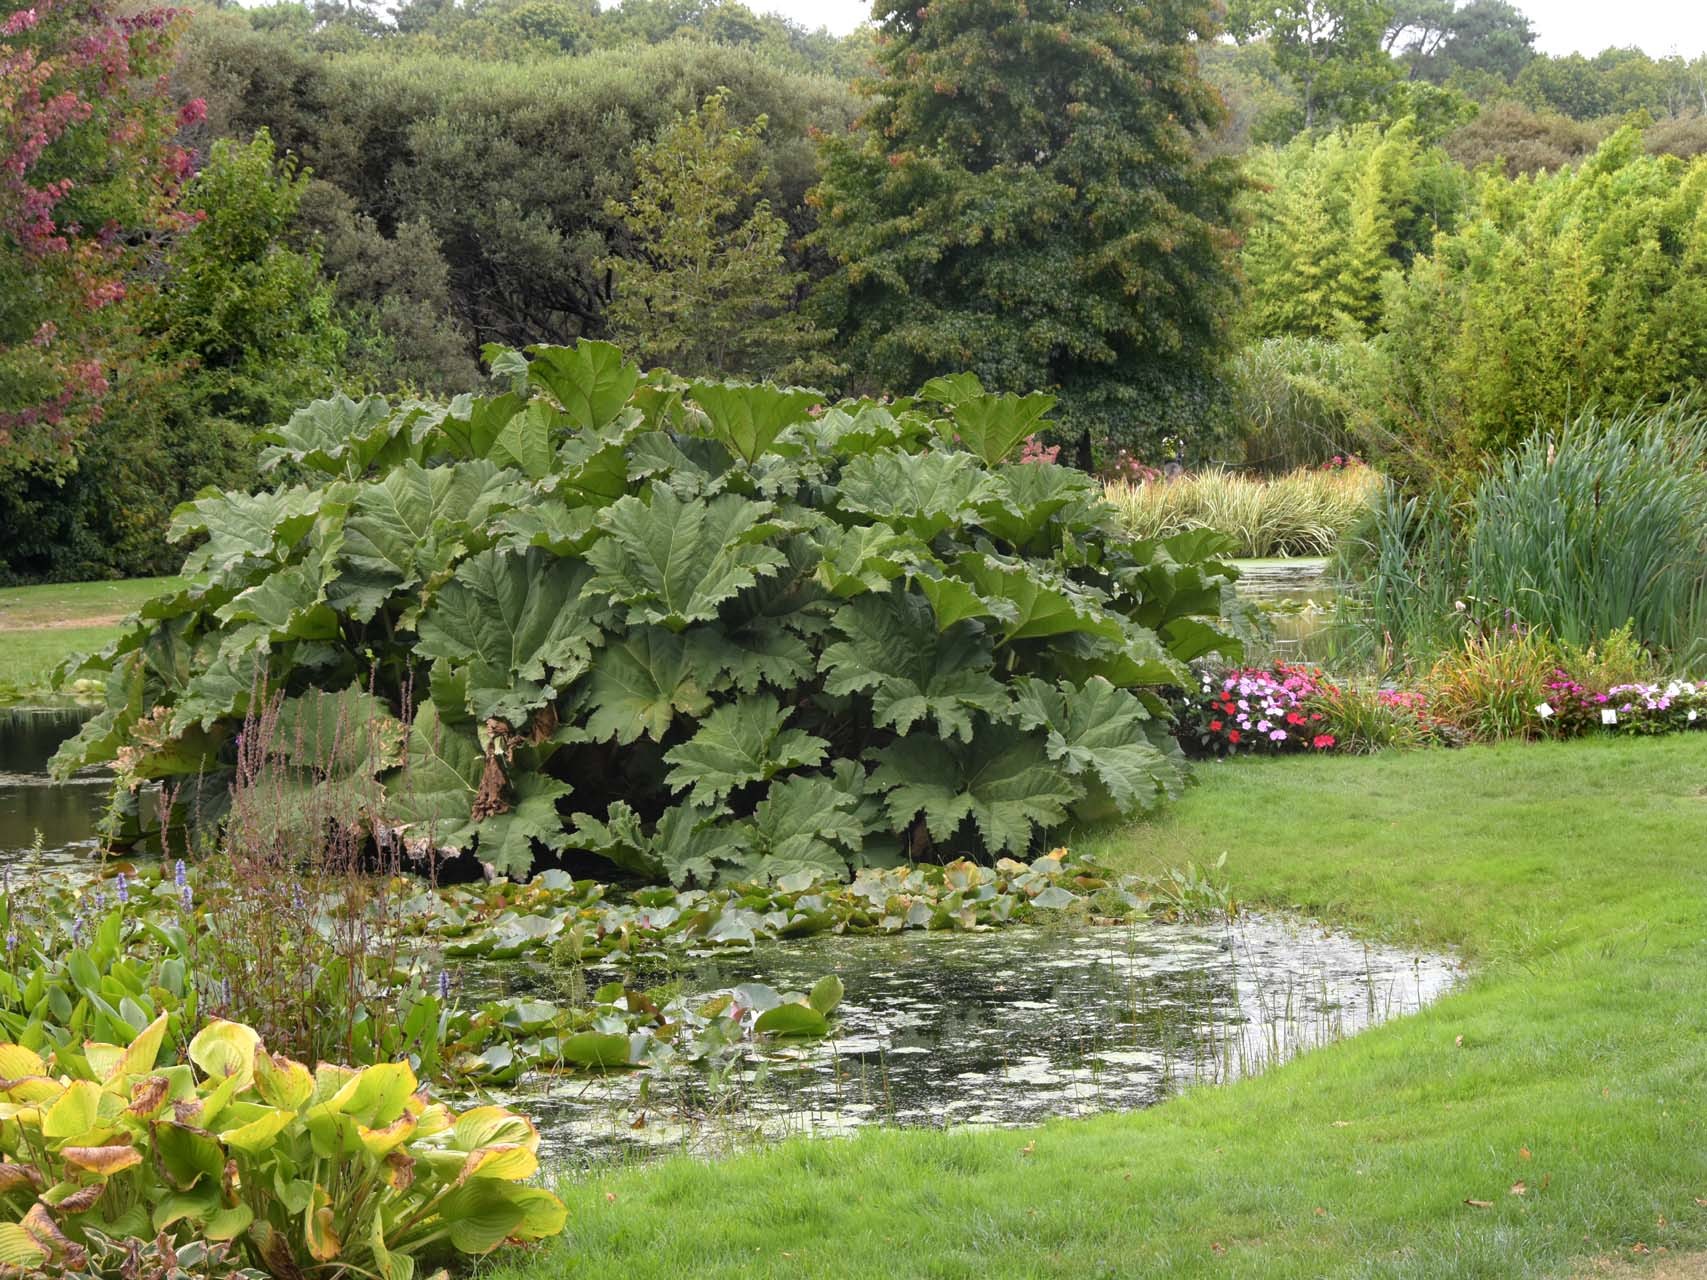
(1658, 27)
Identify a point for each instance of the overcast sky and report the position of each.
(1658, 27)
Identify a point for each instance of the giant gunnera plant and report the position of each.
(703, 630)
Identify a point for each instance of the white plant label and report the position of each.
(1544, 710)
(1608, 716)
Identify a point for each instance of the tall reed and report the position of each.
(1575, 534)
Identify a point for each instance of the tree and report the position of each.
(1587, 287)
(1027, 200)
(89, 182)
(704, 285)
(1332, 50)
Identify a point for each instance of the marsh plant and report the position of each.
(1576, 533)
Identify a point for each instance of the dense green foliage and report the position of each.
(739, 631)
(352, 1171)
(1332, 215)
(1588, 287)
(1026, 200)
(702, 289)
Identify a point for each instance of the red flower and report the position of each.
(1315, 715)
(1214, 726)
(1232, 735)
(1292, 717)
(1322, 741)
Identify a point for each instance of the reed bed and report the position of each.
(1302, 513)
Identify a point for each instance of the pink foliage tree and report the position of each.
(90, 177)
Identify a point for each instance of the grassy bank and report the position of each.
(1546, 1117)
(41, 625)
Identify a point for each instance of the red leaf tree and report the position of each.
(90, 176)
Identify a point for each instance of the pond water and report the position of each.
(1005, 1027)
(1008, 1027)
(1297, 598)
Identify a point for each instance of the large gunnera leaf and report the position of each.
(673, 562)
(1004, 781)
(1103, 733)
(892, 650)
(746, 419)
(804, 826)
(923, 493)
(450, 795)
(522, 624)
(590, 380)
(338, 436)
(740, 742)
(240, 526)
(639, 684)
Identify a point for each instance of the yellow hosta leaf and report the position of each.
(257, 1134)
(226, 1050)
(391, 1136)
(32, 1089)
(139, 1058)
(488, 1126)
(105, 1161)
(18, 1249)
(281, 1082)
(507, 1162)
(74, 1113)
(323, 1241)
(15, 1060)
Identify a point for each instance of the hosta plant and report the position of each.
(335, 1171)
(702, 630)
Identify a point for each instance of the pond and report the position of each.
(1297, 598)
(1002, 1027)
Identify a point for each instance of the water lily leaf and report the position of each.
(826, 994)
(793, 1021)
(596, 1049)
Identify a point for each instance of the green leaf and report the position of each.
(240, 526)
(596, 1049)
(339, 436)
(1005, 783)
(1104, 733)
(590, 380)
(747, 418)
(992, 426)
(924, 493)
(793, 1022)
(639, 684)
(807, 826)
(864, 557)
(741, 742)
(892, 650)
(1033, 494)
(529, 440)
(472, 423)
(523, 624)
(826, 994)
(673, 562)
(412, 526)
(1043, 603)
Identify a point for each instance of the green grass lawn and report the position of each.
(41, 625)
(1548, 1114)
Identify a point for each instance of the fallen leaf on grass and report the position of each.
(1518, 1187)
(1217, 1248)
(1321, 1212)
(1342, 1124)
(1480, 1204)
(1459, 1041)
(1523, 1153)
(610, 1197)
(1028, 1148)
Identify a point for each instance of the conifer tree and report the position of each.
(1027, 199)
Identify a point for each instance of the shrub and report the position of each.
(1361, 720)
(334, 1170)
(742, 633)
(1492, 685)
(1305, 512)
